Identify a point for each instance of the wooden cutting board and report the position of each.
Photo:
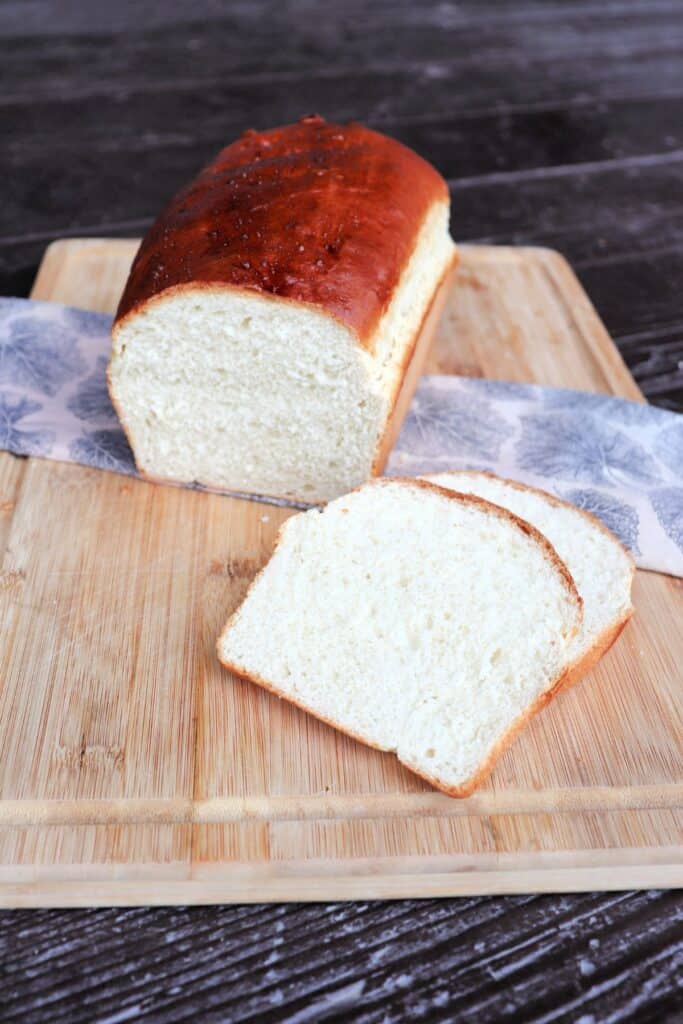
(133, 769)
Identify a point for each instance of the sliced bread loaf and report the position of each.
(420, 621)
(602, 568)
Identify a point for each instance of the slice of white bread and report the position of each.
(602, 568)
(419, 621)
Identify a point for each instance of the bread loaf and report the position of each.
(420, 621)
(267, 338)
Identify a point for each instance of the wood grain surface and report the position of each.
(557, 124)
(108, 642)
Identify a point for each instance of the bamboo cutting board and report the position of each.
(133, 769)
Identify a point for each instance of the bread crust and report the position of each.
(467, 787)
(315, 213)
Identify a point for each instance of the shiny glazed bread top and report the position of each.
(313, 212)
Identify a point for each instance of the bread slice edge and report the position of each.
(577, 669)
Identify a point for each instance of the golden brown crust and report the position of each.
(318, 213)
(466, 788)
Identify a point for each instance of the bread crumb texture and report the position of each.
(421, 622)
(601, 567)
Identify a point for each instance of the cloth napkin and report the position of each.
(620, 460)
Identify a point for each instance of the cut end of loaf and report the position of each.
(419, 621)
(246, 392)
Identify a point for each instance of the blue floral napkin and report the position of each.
(621, 460)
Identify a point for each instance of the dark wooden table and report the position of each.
(557, 124)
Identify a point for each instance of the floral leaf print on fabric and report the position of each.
(585, 449)
(668, 505)
(620, 518)
(89, 325)
(669, 447)
(618, 410)
(22, 440)
(509, 390)
(40, 357)
(627, 414)
(91, 401)
(106, 449)
(467, 426)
